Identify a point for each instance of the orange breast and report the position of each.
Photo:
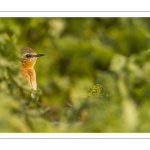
(28, 63)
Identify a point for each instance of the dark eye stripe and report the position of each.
(28, 55)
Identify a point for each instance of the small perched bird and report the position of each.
(27, 64)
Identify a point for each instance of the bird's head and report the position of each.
(29, 57)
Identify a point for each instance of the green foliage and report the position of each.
(94, 77)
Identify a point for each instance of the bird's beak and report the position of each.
(39, 55)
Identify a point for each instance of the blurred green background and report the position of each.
(94, 77)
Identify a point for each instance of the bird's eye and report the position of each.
(28, 55)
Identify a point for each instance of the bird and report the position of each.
(27, 66)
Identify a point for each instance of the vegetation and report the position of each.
(94, 77)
